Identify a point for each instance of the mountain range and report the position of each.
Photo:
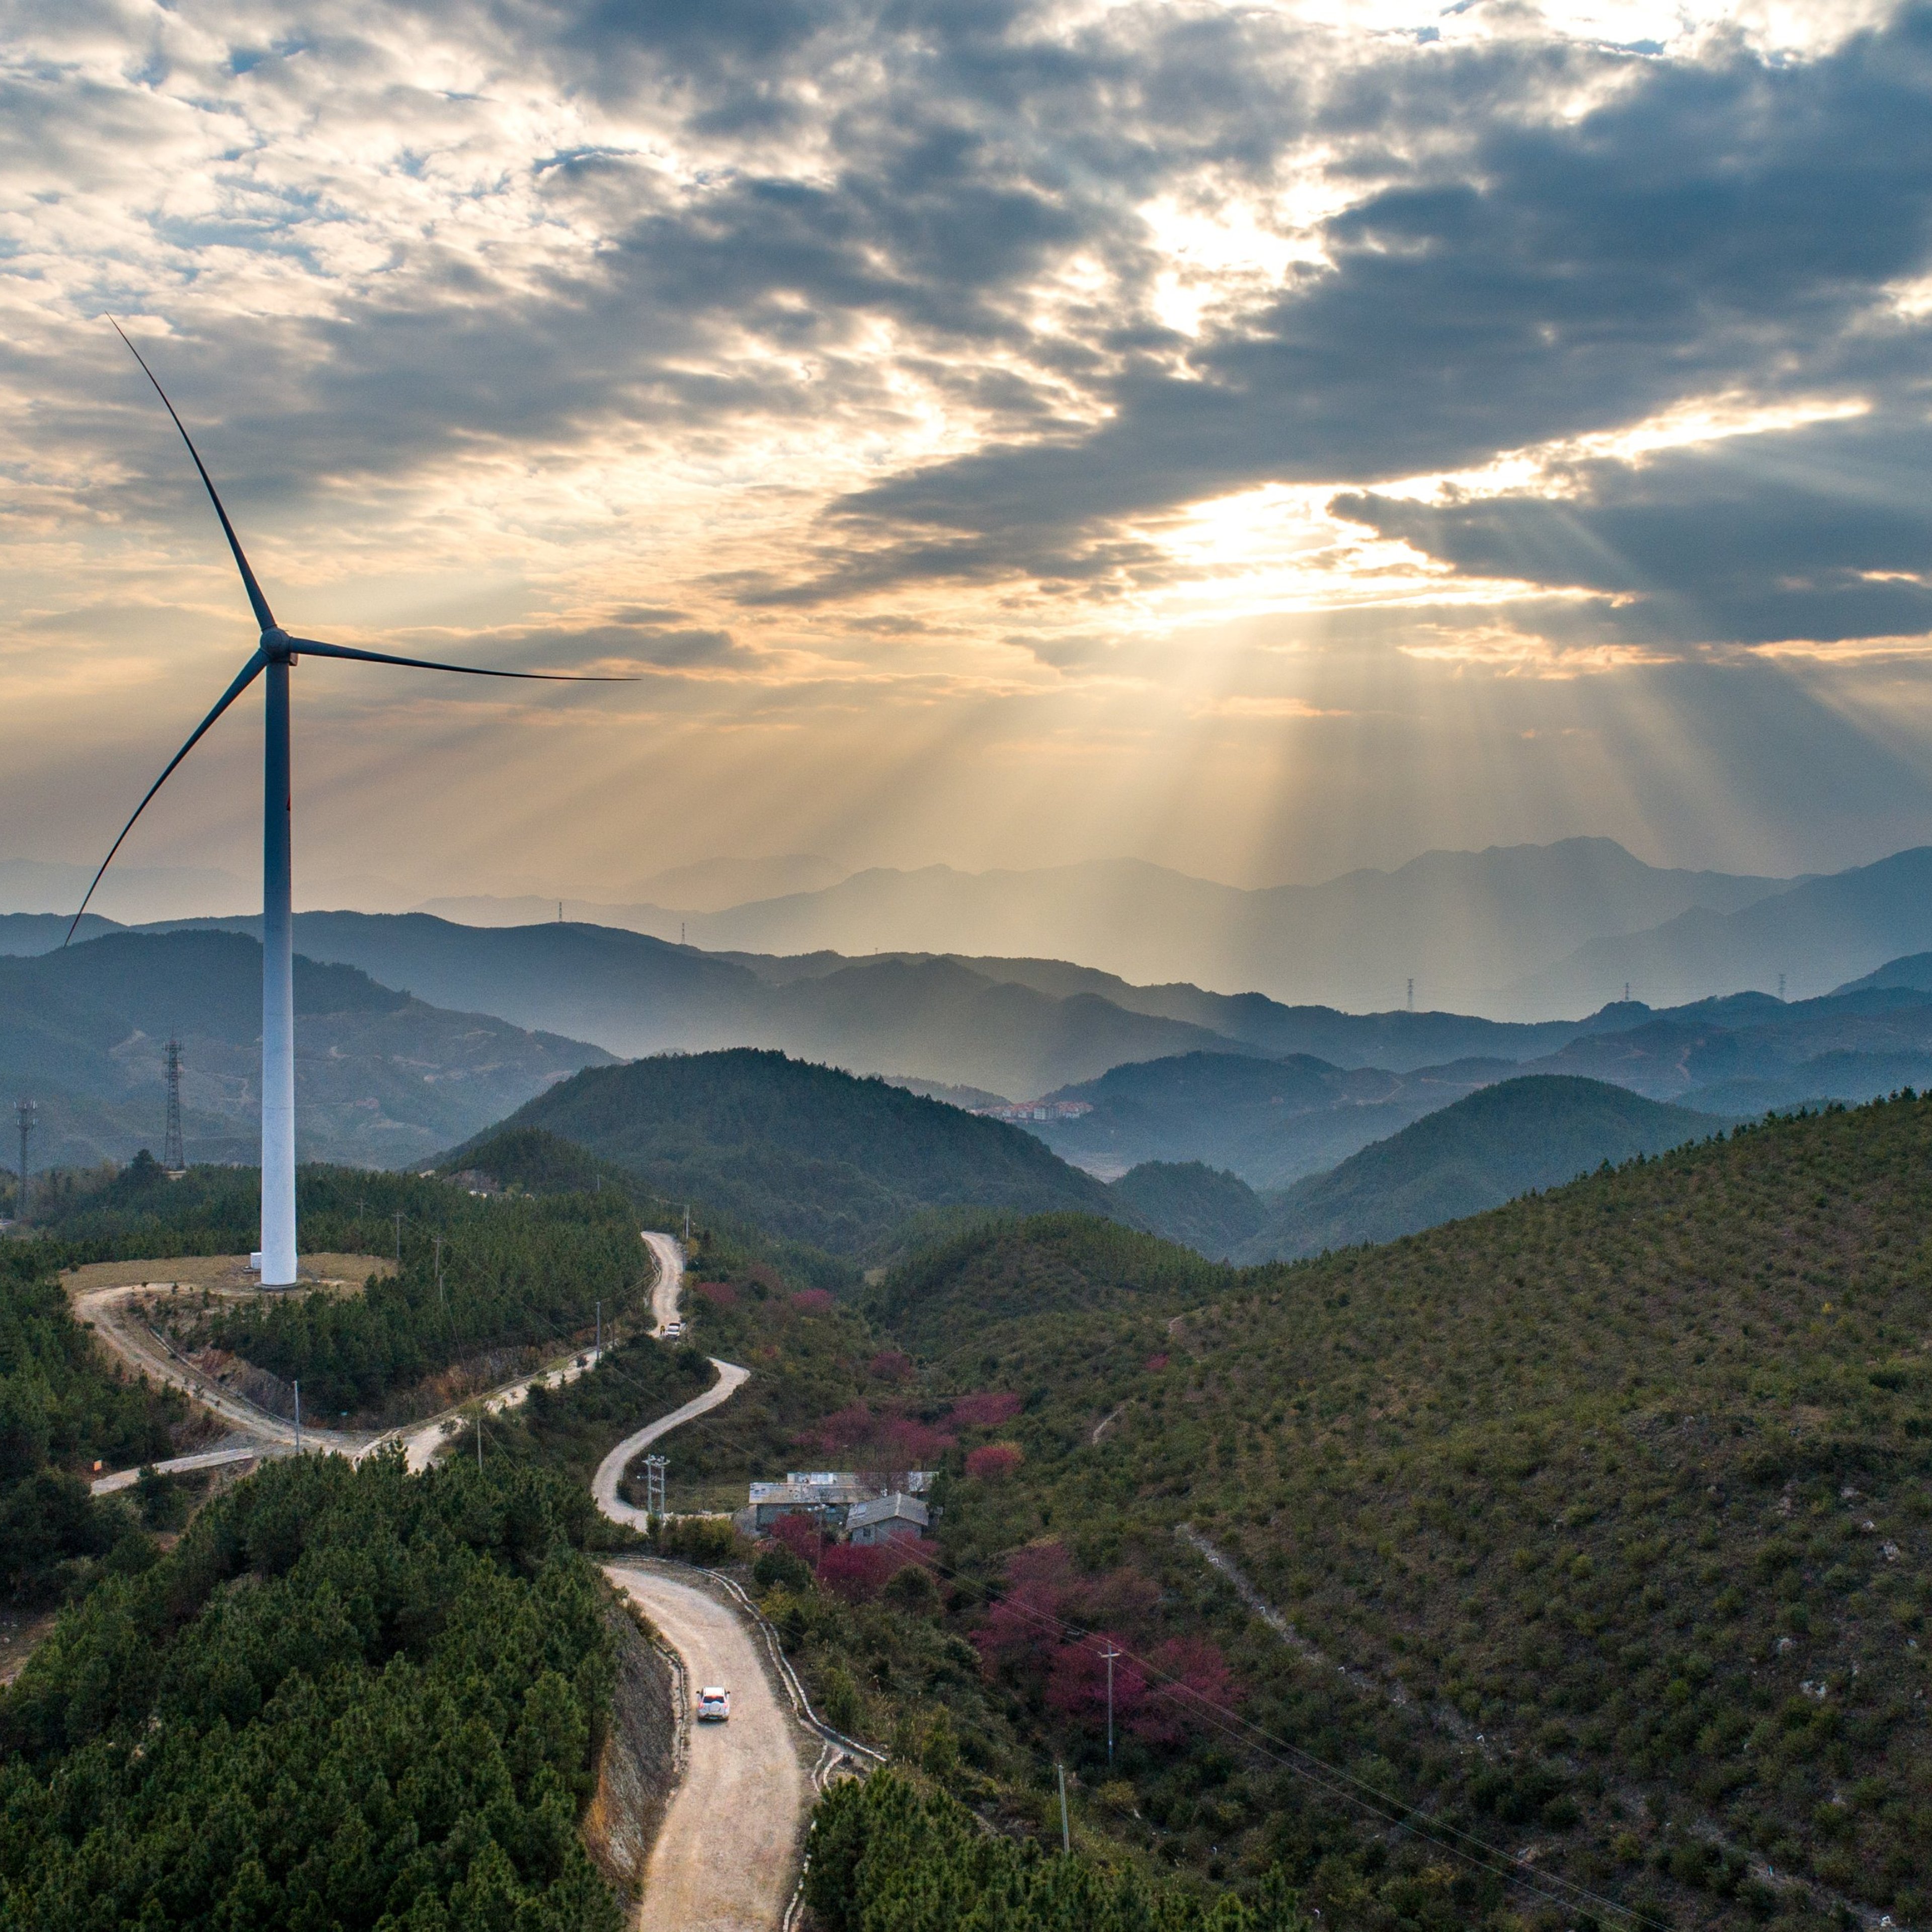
(1462, 924)
(382, 1078)
(1522, 933)
(1166, 1073)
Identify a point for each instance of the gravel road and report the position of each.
(726, 1858)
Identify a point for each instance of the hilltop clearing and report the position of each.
(1538, 1131)
(382, 1078)
(1596, 1525)
(488, 1286)
(803, 1151)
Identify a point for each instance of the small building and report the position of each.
(888, 1519)
(830, 1495)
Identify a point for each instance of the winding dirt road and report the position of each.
(726, 1858)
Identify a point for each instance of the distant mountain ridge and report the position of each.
(1456, 922)
(1816, 934)
(381, 1078)
(1507, 1139)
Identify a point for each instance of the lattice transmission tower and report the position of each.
(26, 1116)
(174, 1157)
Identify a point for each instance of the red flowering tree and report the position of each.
(1155, 1363)
(1076, 1681)
(859, 1571)
(986, 1410)
(1188, 1673)
(994, 1462)
(719, 1294)
(801, 1534)
(812, 1300)
(1026, 1617)
(843, 1430)
(890, 1365)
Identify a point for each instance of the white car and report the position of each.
(714, 1704)
(673, 1330)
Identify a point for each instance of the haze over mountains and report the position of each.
(381, 1078)
(1521, 933)
(1464, 924)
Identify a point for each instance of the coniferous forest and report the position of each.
(1592, 1528)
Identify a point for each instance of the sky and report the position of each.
(1262, 439)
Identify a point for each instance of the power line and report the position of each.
(1338, 1783)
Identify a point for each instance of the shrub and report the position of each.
(987, 1410)
(859, 1571)
(708, 1540)
(994, 1462)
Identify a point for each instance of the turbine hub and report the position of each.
(278, 645)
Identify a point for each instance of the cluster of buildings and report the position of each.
(1036, 1110)
(860, 1506)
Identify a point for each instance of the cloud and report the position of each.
(1822, 533)
(1516, 277)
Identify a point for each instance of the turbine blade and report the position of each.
(310, 647)
(264, 616)
(251, 671)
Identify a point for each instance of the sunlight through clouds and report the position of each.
(963, 423)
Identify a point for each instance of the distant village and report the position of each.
(1035, 1110)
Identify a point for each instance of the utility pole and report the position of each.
(1626, 992)
(479, 1438)
(600, 1325)
(399, 1237)
(298, 1418)
(1110, 1653)
(442, 1299)
(687, 1224)
(27, 1114)
(1412, 995)
(654, 1486)
(1065, 1831)
(1780, 987)
(174, 1158)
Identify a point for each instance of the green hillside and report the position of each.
(1203, 1208)
(1505, 1140)
(1597, 1528)
(803, 1151)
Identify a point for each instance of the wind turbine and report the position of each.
(273, 657)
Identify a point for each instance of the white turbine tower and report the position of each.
(276, 652)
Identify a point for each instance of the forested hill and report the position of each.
(349, 1697)
(804, 1151)
(1539, 1131)
(1615, 1502)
